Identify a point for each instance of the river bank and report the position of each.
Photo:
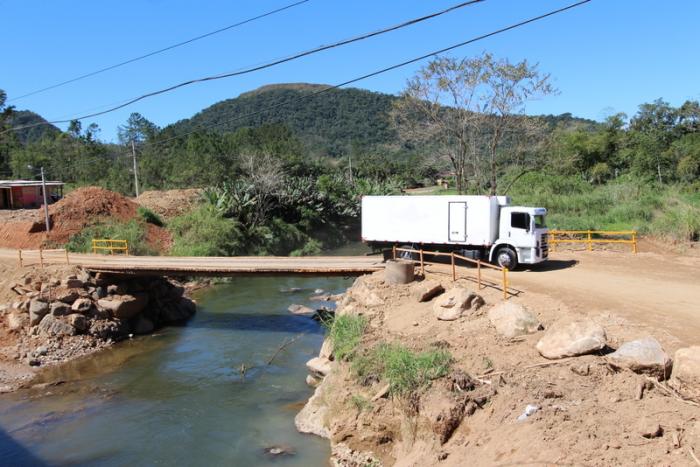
(59, 314)
(178, 396)
(419, 382)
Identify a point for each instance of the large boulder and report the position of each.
(572, 338)
(37, 310)
(178, 312)
(124, 306)
(686, 372)
(142, 325)
(55, 327)
(81, 305)
(319, 366)
(512, 319)
(642, 356)
(426, 290)
(78, 321)
(453, 303)
(66, 295)
(72, 282)
(301, 310)
(312, 418)
(60, 309)
(109, 329)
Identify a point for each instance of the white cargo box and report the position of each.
(468, 220)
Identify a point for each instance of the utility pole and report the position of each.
(136, 174)
(46, 204)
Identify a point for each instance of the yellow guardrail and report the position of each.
(454, 256)
(591, 237)
(109, 245)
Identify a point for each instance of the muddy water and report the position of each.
(180, 397)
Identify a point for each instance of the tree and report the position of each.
(471, 111)
(8, 139)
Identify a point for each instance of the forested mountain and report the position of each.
(33, 134)
(330, 123)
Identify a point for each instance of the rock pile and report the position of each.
(99, 308)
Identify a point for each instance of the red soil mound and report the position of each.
(79, 209)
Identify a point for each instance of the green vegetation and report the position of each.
(149, 216)
(133, 232)
(345, 333)
(406, 371)
(360, 403)
(204, 232)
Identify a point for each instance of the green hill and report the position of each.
(33, 134)
(329, 123)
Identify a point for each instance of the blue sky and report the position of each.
(604, 57)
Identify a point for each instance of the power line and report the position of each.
(156, 52)
(264, 66)
(381, 71)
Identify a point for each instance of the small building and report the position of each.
(28, 194)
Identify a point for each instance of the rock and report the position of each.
(53, 326)
(319, 291)
(142, 325)
(326, 349)
(319, 366)
(60, 309)
(100, 292)
(116, 289)
(571, 338)
(427, 290)
(78, 321)
(17, 320)
(124, 306)
(301, 310)
(311, 419)
(279, 451)
(72, 283)
(383, 391)
(109, 329)
(453, 303)
(178, 312)
(313, 381)
(66, 295)
(41, 351)
(649, 428)
(83, 276)
(685, 377)
(82, 305)
(512, 320)
(37, 310)
(642, 356)
(320, 298)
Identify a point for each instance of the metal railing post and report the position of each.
(20, 258)
(634, 243)
(67, 259)
(393, 252)
(590, 241)
(505, 283)
(478, 273)
(41, 257)
(422, 264)
(454, 271)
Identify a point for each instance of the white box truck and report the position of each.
(483, 227)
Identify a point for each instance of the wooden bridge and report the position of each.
(200, 266)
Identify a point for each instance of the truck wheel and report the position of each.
(506, 258)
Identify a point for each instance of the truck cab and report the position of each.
(522, 237)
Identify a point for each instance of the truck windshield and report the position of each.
(539, 221)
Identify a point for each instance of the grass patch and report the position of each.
(346, 333)
(405, 371)
(360, 403)
(149, 216)
(134, 232)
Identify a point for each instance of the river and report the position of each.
(179, 396)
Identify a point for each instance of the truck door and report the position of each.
(457, 227)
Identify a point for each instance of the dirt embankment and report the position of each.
(170, 203)
(502, 402)
(69, 216)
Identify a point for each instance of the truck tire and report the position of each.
(507, 258)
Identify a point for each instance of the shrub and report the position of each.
(133, 232)
(346, 333)
(149, 216)
(405, 371)
(205, 232)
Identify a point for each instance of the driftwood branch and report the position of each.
(284, 345)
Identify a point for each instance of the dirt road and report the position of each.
(653, 289)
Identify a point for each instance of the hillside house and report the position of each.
(27, 194)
